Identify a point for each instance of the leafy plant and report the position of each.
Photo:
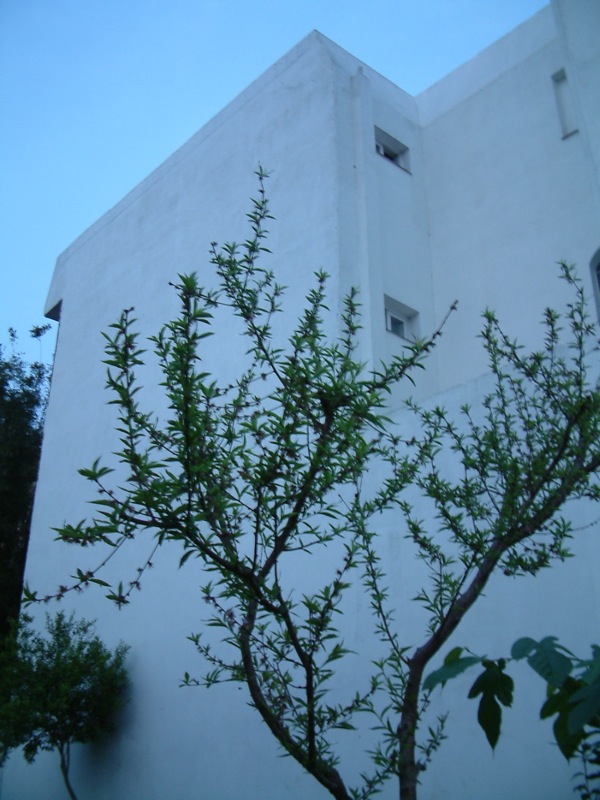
(251, 476)
(58, 690)
(573, 698)
(573, 689)
(23, 394)
(532, 445)
(260, 478)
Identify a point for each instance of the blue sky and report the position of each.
(94, 94)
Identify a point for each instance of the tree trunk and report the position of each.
(407, 734)
(65, 759)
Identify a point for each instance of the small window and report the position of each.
(395, 324)
(564, 104)
(400, 319)
(391, 149)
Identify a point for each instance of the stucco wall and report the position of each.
(508, 196)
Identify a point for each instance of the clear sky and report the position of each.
(94, 94)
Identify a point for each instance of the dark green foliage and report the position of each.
(551, 661)
(532, 445)
(573, 689)
(573, 698)
(59, 689)
(495, 687)
(251, 476)
(23, 393)
(454, 664)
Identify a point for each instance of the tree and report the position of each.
(23, 394)
(264, 476)
(532, 446)
(59, 690)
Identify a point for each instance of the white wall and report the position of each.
(173, 739)
(508, 196)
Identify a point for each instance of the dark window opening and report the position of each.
(392, 150)
(400, 319)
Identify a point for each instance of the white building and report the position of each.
(472, 190)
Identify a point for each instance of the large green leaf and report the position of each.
(523, 647)
(559, 702)
(549, 659)
(585, 705)
(453, 666)
(495, 687)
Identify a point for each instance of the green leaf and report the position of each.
(523, 647)
(344, 726)
(453, 655)
(559, 702)
(450, 670)
(585, 706)
(489, 716)
(567, 745)
(185, 556)
(550, 662)
(98, 581)
(493, 685)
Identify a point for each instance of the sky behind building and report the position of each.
(95, 95)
